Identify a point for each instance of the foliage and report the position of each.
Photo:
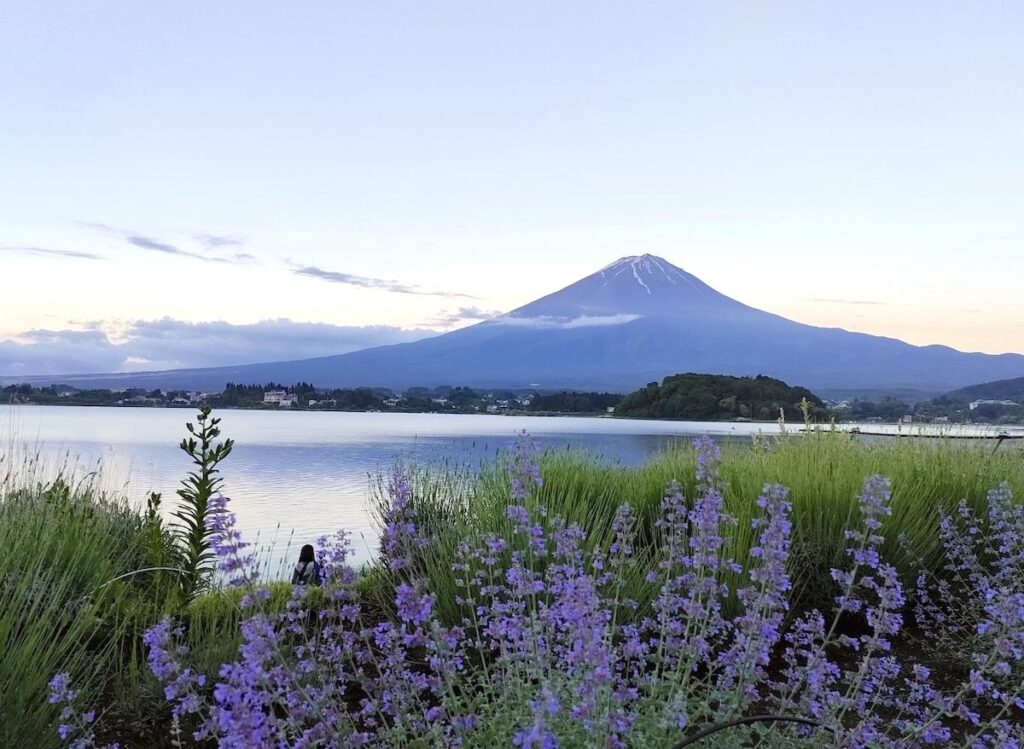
(983, 564)
(573, 402)
(700, 397)
(886, 409)
(81, 576)
(192, 530)
(543, 656)
(64, 603)
(823, 471)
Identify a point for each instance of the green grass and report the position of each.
(62, 545)
(825, 473)
(64, 542)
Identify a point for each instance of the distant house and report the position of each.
(610, 409)
(974, 404)
(492, 409)
(279, 398)
(440, 401)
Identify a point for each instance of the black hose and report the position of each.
(747, 721)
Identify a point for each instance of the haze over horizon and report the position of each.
(203, 185)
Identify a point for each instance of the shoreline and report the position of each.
(922, 430)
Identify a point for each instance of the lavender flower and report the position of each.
(75, 727)
(401, 538)
(537, 735)
(233, 559)
(524, 472)
(759, 628)
(546, 653)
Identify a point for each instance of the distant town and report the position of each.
(696, 397)
(306, 397)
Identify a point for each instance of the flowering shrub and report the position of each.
(969, 613)
(549, 653)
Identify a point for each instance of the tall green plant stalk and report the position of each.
(192, 527)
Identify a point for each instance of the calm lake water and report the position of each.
(308, 473)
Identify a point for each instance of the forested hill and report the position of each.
(699, 397)
(1012, 390)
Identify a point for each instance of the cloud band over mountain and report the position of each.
(173, 344)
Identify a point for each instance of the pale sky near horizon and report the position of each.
(419, 165)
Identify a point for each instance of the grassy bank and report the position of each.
(63, 543)
(76, 596)
(824, 472)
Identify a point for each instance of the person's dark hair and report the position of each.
(306, 555)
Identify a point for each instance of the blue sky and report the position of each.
(365, 172)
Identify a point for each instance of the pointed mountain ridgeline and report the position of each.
(632, 322)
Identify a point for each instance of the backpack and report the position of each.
(311, 574)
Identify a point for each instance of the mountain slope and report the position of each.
(632, 322)
(1012, 390)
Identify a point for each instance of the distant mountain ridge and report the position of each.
(634, 321)
(1012, 390)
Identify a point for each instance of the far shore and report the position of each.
(946, 430)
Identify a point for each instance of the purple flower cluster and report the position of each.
(524, 472)
(976, 606)
(548, 653)
(76, 728)
(401, 537)
(181, 684)
(235, 557)
(757, 631)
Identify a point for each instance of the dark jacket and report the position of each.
(308, 574)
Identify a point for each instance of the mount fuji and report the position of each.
(632, 322)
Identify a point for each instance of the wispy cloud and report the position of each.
(148, 243)
(566, 323)
(448, 317)
(861, 302)
(351, 279)
(153, 244)
(213, 241)
(45, 252)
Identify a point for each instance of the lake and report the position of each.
(309, 473)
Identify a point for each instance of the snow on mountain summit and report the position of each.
(636, 285)
(639, 266)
